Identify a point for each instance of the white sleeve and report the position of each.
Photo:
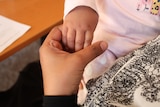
(71, 4)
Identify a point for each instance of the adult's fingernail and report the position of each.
(103, 46)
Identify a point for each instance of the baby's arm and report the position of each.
(78, 27)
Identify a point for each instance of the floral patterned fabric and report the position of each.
(133, 81)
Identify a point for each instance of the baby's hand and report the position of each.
(78, 28)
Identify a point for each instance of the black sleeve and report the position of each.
(60, 101)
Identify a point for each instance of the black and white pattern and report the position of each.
(133, 81)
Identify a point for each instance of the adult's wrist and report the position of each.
(56, 87)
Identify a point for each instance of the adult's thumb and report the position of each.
(89, 53)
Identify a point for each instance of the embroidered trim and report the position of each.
(138, 69)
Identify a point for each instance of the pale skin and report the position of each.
(78, 28)
(63, 69)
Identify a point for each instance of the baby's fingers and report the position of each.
(88, 38)
(64, 35)
(71, 35)
(79, 42)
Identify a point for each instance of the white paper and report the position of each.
(10, 31)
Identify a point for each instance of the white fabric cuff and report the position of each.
(71, 4)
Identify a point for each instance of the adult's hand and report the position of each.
(62, 71)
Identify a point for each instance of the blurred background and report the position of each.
(10, 67)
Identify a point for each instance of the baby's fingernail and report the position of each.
(103, 46)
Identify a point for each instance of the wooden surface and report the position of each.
(41, 15)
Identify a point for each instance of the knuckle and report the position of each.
(88, 27)
(88, 41)
(84, 27)
(71, 39)
(79, 42)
